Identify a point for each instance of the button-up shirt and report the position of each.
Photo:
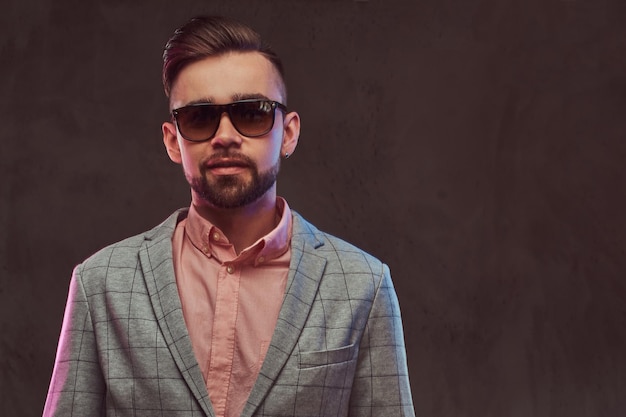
(230, 302)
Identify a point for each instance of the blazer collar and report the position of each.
(305, 273)
(158, 268)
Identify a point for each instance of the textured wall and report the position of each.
(476, 146)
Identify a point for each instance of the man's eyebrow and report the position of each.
(234, 97)
(200, 101)
(249, 96)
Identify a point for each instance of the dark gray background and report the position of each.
(478, 147)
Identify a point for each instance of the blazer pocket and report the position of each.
(327, 357)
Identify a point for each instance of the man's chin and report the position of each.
(225, 194)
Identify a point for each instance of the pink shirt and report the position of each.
(230, 302)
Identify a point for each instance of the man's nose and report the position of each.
(226, 134)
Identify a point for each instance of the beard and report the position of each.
(233, 191)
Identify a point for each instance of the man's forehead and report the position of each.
(228, 77)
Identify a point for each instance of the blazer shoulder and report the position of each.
(335, 249)
(124, 253)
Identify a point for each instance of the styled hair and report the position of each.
(206, 36)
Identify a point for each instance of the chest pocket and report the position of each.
(327, 357)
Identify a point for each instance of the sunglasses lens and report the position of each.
(253, 118)
(197, 123)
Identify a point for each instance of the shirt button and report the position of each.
(230, 269)
(216, 236)
(261, 259)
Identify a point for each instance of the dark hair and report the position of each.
(206, 36)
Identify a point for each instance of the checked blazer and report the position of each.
(337, 349)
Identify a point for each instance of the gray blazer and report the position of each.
(337, 350)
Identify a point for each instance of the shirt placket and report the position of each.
(223, 337)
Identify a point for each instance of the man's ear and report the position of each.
(170, 140)
(291, 133)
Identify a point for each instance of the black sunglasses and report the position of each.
(252, 118)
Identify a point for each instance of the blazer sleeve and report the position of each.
(381, 385)
(77, 387)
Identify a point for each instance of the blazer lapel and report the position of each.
(158, 268)
(305, 272)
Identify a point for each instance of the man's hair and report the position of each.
(206, 36)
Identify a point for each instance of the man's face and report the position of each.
(231, 170)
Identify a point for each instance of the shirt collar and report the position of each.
(212, 242)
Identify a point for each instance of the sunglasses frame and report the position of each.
(226, 108)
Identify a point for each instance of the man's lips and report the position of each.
(227, 166)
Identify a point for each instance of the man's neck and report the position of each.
(243, 225)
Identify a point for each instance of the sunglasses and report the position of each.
(252, 118)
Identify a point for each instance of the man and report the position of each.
(236, 306)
